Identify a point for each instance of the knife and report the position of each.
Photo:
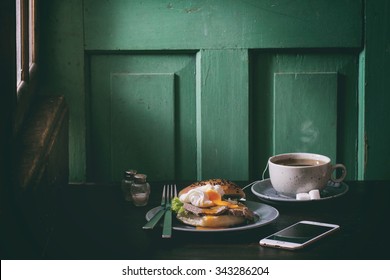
(167, 227)
(157, 216)
(154, 220)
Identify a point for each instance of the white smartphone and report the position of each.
(298, 235)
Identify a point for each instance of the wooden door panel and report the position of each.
(221, 24)
(305, 113)
(226, 82)
(326, 83)
(223, 114)
(205, 44)
(142, 116)
(142, 124)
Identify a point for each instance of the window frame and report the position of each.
(27, 86)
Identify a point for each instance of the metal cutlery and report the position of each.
(168, 193)
(167, 226)
(157, 216)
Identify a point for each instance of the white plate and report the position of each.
(264, 214)
(265, 191)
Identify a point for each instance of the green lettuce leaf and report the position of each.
(177, 205)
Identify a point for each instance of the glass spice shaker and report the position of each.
(127, 181)
(140, 190)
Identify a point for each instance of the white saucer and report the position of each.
(265, 191)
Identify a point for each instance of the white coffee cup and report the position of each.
(294, 173)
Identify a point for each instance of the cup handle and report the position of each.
(343, 173)
(265, 170)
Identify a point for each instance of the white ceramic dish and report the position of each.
(264, 214)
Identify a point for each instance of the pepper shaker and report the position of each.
(127, 181)
(140, 190)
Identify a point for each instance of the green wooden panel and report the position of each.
(223, 114)
(265, 64)
(305, 113)
(169, 26)
(142, 124)
(150, 75)
(376, 91)
(177, 24)
(61, 68)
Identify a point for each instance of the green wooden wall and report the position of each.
(200, 89)
(62, 70)
(302, 102)
(376, 88)
(142, 109)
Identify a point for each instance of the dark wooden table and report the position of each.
(94, 222)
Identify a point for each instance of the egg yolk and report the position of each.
(215, 197)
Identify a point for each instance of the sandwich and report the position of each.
(212, 204)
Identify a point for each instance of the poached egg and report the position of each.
(206, 196)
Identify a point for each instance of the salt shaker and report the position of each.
(127, 181)
(140, 190)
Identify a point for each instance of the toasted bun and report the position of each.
(222, 221)
(230, 188)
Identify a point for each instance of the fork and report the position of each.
(167, 226)
(154, 220)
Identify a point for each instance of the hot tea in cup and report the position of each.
(295, 173)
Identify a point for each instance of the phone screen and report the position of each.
(299, 233)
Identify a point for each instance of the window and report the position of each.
(18, 43)
(26, 47)
(26, 58)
